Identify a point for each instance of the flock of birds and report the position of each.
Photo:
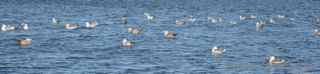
(167, 34)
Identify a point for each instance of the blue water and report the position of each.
(98, 51)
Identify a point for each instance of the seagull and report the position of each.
(316, 32)
(247, 17)
(272, 21)
(24, 42)
(91, 24)
(215, 19)
(317, 20)
(24, 26)
(180, 22)
(127, 43)
(149, 16)
(55, 21)
(71, 26)
(169, 35)
(233, 22)
(134, 31)
(217, 51)
(260, 25)
(10, 28)
(277, 18)
(274, 60)
(280, 16)
(3, 27)
(190, 18)
(130, 29)
(7, 28)
(124, 19)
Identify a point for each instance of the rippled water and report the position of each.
(98, 51)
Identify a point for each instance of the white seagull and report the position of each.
(217, 51)
(91, 24)
(274, 60)
(149, 16)
(127, 43)
(24, 26)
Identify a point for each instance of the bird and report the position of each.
(248, 17)
(280, 16)
(190, 18)
(7, 28)
(149, 16)
(217, 51)
(316, 32)
(10, 28)
(91, 24)
(272, 21)
(124, 19)
(55, 21)
(180, 22)
(277, 19)
(233, 22)
(24, 26)
(170, 35)
(274, 60)
(215, 19)
(260, 25)
(71, 26)
(126, 43)
(317, 20)
(3, 27)
(24, 42)
(134, 31)
(130, 29)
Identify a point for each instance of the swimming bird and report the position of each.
(7, 28)
(134, 31)
(217, 51)
(317, 20)
(215, 19)
(280, 16)
(130, 29)
(149, 16)
(248, 17)
(10, 28)
(233, 22)
(55, 21)
(277, 18)
(124, 19)
(91, 24)
(274, 60)
(272, 21)
(24, 26)
(127, 43)
(180, 22)
(260, 25)
(24, 42)
(3, 27)
(316, 32)
(190, 18)
(71, 26)
(169, 35)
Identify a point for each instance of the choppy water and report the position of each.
(98, 51)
